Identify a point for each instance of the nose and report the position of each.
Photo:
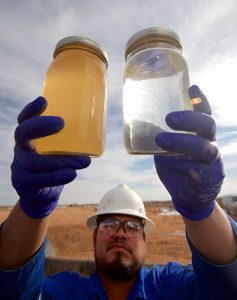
(121, 231)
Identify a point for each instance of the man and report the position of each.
(193, 178)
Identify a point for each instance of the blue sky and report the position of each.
(29, 33)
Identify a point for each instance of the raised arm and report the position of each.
(38, 180)
(194, 180)
(20, 238)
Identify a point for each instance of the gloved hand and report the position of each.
(194, 177)
(39, 179)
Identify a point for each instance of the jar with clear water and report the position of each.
(156, 82)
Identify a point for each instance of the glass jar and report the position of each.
(156, 82)
(76, 89)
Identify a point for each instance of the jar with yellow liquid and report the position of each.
(76, 89)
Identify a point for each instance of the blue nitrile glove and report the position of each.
(194, 178)
(39, 179)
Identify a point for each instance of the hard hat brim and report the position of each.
(148, 227)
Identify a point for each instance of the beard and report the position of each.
(120, 268)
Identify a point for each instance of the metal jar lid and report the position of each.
(152, 34)
(82, 41)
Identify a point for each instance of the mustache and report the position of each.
(121, 242)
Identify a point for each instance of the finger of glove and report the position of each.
(207, 175)
(56, 178)
(32, 109)
(191, 145)
(193, 121)
(37, 127)
(48, 179)
(199, 100)
(34, 162)
(179, 165)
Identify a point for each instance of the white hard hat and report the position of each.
(124, 201)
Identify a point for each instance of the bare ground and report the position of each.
(72, 239)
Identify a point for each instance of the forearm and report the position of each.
(213, 237)
(20, 238)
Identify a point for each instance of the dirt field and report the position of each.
(72, 239)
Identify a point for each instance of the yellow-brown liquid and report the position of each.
(75, 88)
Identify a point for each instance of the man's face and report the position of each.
(119, 255)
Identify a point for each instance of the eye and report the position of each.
(133, 226)
(110, 225)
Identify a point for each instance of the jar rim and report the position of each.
(81, 40)
(152, 34)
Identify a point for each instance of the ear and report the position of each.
(94, 236)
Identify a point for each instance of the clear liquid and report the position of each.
(156, 82)
(75, 88)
